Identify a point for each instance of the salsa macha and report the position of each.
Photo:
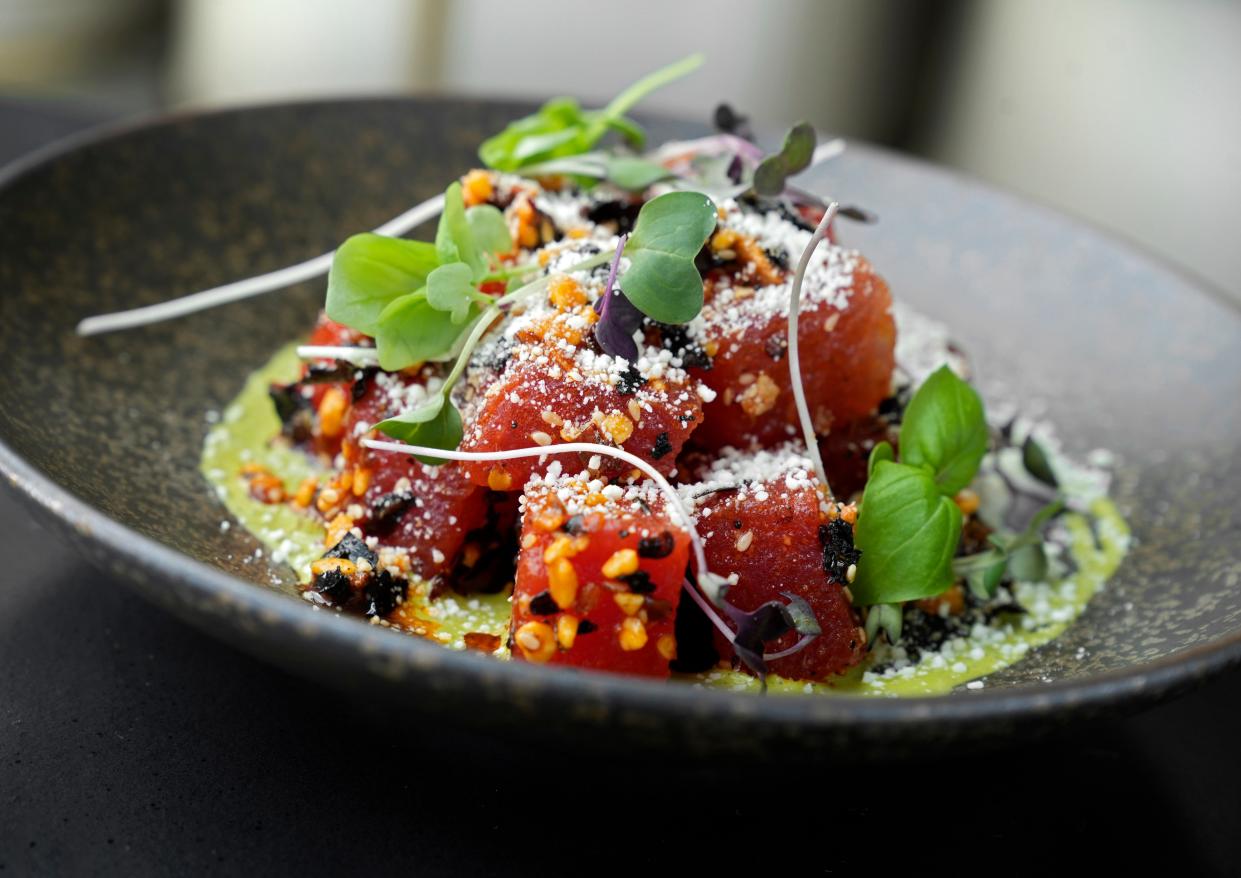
(573, 431)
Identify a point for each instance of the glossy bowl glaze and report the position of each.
(102, 435)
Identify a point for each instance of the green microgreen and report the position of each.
(451, 316)
(1020, 555)
(562, 128)
(886, 618)
(628, 172)
(369, 272)
(662, 280)
(414, 298)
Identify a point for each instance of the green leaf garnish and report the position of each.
(945, 430)
(454, 239)
(434, 424)
(793, 158)
(908, 532)
(1020, 555)
(908, 526)
(881, 451)
(411, 331)
(488, 229)
(886, 618)
(451, 288)
(662, 280)
(562, 128)
(1034, 458)
(369, 272)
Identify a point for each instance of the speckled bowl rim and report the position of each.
(1124, 688)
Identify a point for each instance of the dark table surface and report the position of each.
(132, 744)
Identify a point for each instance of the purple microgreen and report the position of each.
(794, 157)
(766, 623)
(800, 198)
(794, 360)
(619, 319)
(729, 121)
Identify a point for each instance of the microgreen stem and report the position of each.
(616, 258)
(626, 100)
(355, 355)
(799, 392)
(507, 273)
(463, 358)
(527, 290)
(252, 286)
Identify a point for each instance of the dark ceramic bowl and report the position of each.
(102, 435)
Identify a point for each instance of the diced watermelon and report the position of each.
(427, 511)
(551, 386)
(760, 516)
(598, 577)
(846, 340)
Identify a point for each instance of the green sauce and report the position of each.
(245, 435)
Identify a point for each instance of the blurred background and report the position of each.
(1124, 112)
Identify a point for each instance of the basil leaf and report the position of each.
(794, 157)
(434, 424)
(881, 451)
(945, 430)
(369, 272)
(662, 280)
(454, 241)
(411, 331)
(488, 229)
(451, 288)
(908, 532)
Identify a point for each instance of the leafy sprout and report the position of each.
(562, 128)
(431, 308)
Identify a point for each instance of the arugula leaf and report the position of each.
(410, 331)
(945, 430)
(908, 532)
(370, 271)
(793, 158)
(488, 229)
(562, 128)
(454, 239)
(451, 288)
(434, 424)
(662, 280)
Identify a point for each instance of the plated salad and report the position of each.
(640, 409)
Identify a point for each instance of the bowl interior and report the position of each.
(1120, 352)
